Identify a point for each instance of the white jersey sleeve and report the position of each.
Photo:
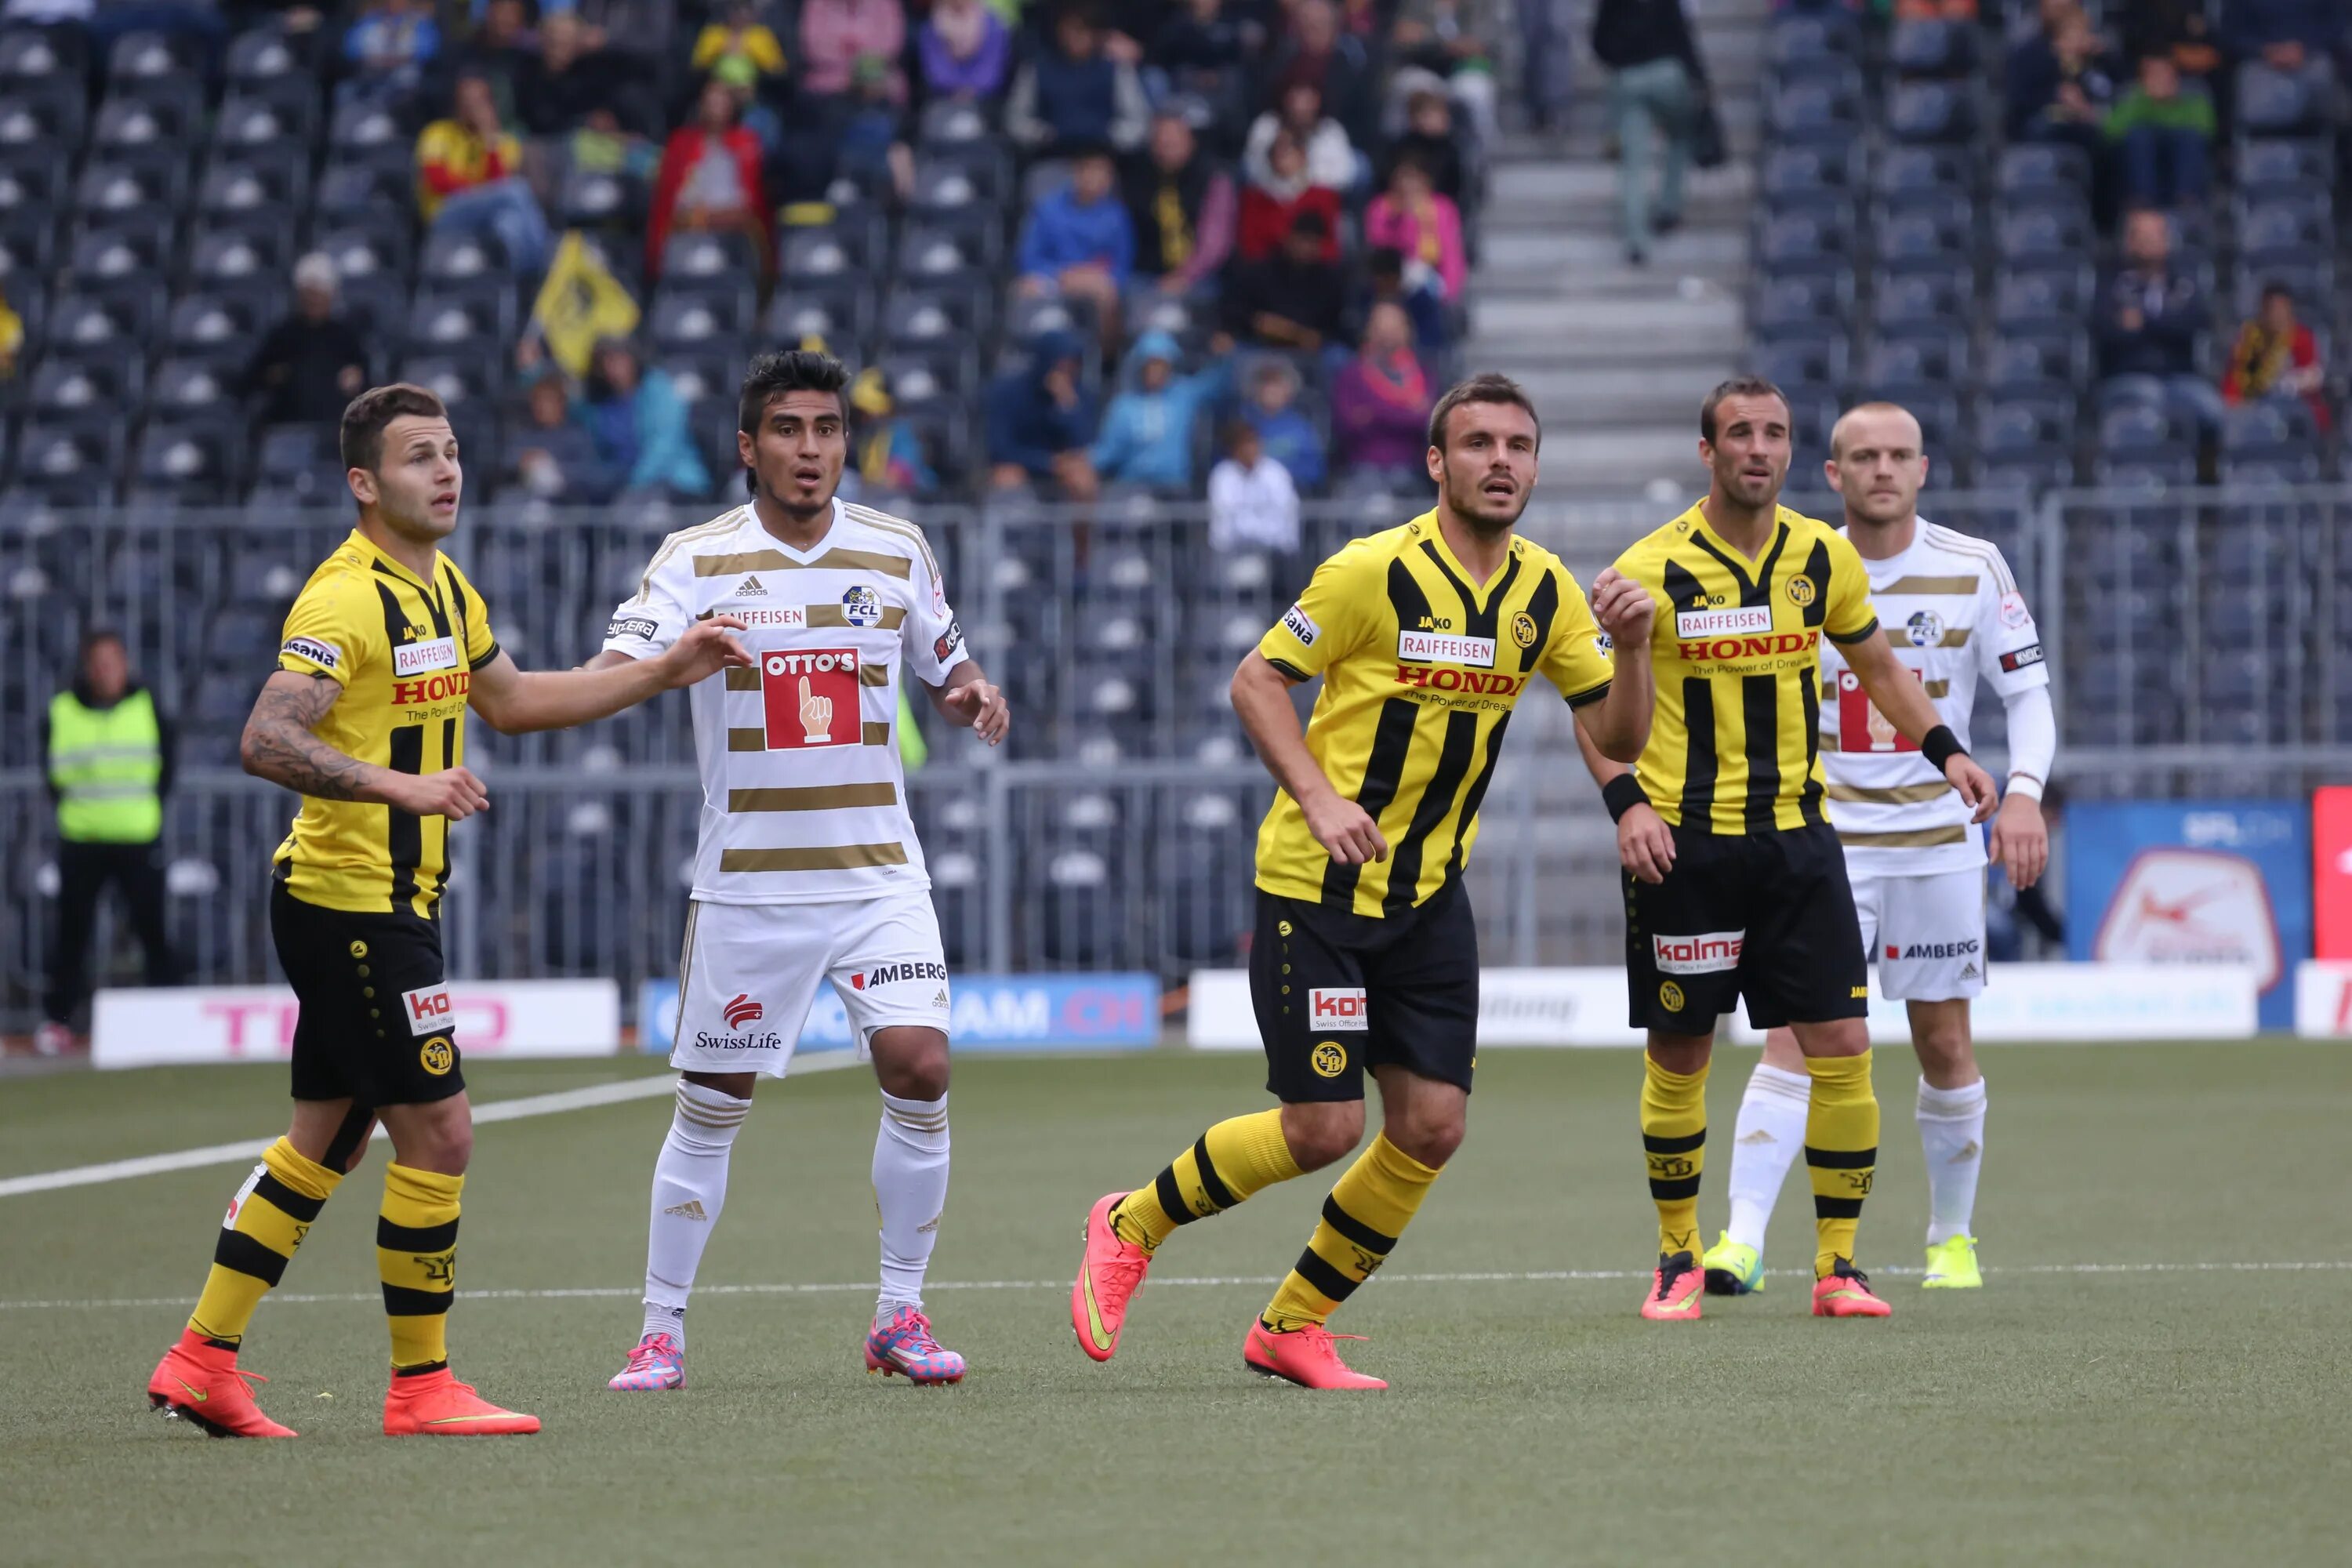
(931, 637)
(649, 621)
(2009, 646)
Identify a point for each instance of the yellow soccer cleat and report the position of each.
(1732, 1268)
(1952, 1266)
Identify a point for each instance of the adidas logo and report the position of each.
(690, 1209)
(1967, 1153)
(1759, 1136)
(751, 589)
(941, 1000)
(1968, 972)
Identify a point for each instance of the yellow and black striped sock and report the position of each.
(416, 1256)
(1841, 1152)
(1674, 1140)
(1361, 1221)
(1231, 1160)
(267, 1221)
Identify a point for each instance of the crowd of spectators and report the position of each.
(1215, 218)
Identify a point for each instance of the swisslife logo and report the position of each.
(742, 1011)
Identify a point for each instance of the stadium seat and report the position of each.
(840, 312)
(133, 127)
(259, 56)
(2043, 170)
(459, 318)
(1785, 237)
(1932, 48)
(2042, 236)
(61, 387)
(937, 255)
(693, 323)
(921, 318)
(1900, 169)
(1813, 111)
(1811, 170)
(181, 386)
(188, 462)
(461, 260)
(353, 193)
(85, 326)
(217, 328)
(1796, 364)
(2024, 364)
(46, 113)
(2274, 102)
(2274, 166)
(40, 54)
(240, 257)
(1799, 41)
(1932, 304)
(111, 187)
(1801, 304)
(70, 461)
(1930, 111)
(1926, 235)
(110, 262)
(2134, 432)
(709, 263)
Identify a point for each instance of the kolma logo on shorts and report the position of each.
(1709, 953)
(1337, 1007)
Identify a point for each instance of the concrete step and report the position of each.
(1621, 462)
(1545, 329)
(1529, 174)
(1529, 262)
(1659, 398)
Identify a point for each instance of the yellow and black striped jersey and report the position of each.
(403, 650)
(1736, 644)
(1421, 671)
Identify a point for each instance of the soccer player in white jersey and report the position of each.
(1953, 612)
(807, 868)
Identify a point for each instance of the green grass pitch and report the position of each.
(2190, 1413)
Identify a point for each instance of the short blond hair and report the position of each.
(1837, 431)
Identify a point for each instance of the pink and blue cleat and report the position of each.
(658, 1361)
(902, 1344)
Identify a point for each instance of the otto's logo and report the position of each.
(1722, 649)
(1670, 997)
(1445, 677)
(427, 1007)
(1337, 1007)
(437, 1056)
(1523, 629)
(1925, 629)
(1801, 591)
(1933, 948)
(1329, 1059)
(1711, 952)
(742, 1011)
(432, 689)
(892, 973)
(861, 607)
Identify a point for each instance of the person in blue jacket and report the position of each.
(639, 425)
(1147, 432)
(1040, 420)
(1078, 241)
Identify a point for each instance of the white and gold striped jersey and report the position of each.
(1952, 611)
(803, 800)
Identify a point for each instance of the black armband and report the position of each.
(1622, 795)
(1939, 746)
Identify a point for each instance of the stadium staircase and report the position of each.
(1617, 356)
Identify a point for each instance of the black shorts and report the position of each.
(1338, 992)
(1768, 916)
(374, 1024)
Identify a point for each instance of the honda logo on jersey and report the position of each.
(427, 1008)
(1709, 953)
(1331, 1007)
(811, 698)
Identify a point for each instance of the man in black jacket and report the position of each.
(1652, 93)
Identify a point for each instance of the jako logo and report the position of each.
(1337, 1008)
(742, 1011)
(1710, 952)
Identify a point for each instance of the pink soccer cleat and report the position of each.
(1110, 1271)
(200, 1383)
(1306, 1356)
(903, 1344)
(656, 1361)
(1677, 1290)
(1844, 1292)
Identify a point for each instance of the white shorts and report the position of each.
(1926, 934)
(748, 975)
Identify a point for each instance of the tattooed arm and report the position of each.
(278, 746)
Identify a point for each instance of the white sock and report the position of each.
(1952, 1135)
(1765, 1142)
(689, 1189)
(910, 1188)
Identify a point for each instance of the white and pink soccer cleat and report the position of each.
(902, 1343)
(658, 1361)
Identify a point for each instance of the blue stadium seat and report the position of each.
(1932, 48)
(1928, 236)
(2044, 170)
(921, 318)
(1813, 111)
(704, 263)
(1923, 304)
(133, 127)
(1817, 363)
(354, 193)
(2274, 166)
(242, 257)
(1900, 169)
(2044, 298)
(85, 326)
(1930, 111)
(47, 113)
(259, 56)
(700, 321)
(2274, 102)
(462, 320)
(216, 328)
(1804, 40)
(189, 462)
(1810, 170)
(1927, 360)
(71, 460)
(2023, 364)
(2268, 426)
(140, 58)
(841, 312)
(600, 199)
(110, 262)
(64, 387)
(182, 386)
(41, 54)
(2134, 432)
(111, 187)
(248, 123)
(461, 260)
(1785, 237)
(935, 255)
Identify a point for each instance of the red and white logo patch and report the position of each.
(742, 1011)
(1336, 1008)
(427, 1009)
(1709, 953)
(1860, 726)
(811, 697)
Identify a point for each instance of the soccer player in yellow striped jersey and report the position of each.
(1366, 954)
(1735, 885)
(386, 648)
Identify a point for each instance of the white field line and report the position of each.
(652, 1088)
(1549, 1276)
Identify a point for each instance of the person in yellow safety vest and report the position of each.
(108, 751)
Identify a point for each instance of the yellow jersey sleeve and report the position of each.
(335, 624)
(1328, 621)
(1578, 659)
(481, 645)
(1852, 617)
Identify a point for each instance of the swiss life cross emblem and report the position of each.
(811, 697)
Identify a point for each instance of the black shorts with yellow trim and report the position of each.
(375, 1023)
(1768, 916)
(1337, 993)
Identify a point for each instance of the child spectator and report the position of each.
(1423, 227)
(2059, 87)
(2276, 355)
(1273, 205)
(1290, 439)
(1080, 240)
(638, 423)
(2163, 135)
(888, 450)
(1147, 431)
(1252, 505)
(740, 35)
(1429, 137)
(1330, 156)
(555, 459)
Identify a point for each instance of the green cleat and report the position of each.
(1952, 1266)
(1732, 1269)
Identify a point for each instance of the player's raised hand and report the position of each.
(1974, 784)
(1623, 608)
(1645, 845)
(980, 704)
(704, 651)
(453, 793)
(2020, 840)
(1346, 830)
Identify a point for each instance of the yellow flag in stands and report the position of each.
(580, 303)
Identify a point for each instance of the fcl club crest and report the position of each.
(861, 607)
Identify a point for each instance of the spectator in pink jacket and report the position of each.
(1423, 227)
(834, 33)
